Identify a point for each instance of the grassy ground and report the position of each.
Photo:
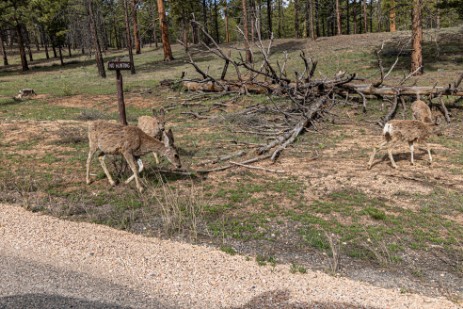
(400, 228)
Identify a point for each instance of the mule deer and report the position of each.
(26, 92)
(422, 112)
(154, 126)
(131, 142)
(396, 131)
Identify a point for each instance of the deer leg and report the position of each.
(391, 157)
(140, 169)
(156, 158)
(101, 158)
(372, 156)
(429, 153)
(131, 161)
(91, 152)
(411, 152)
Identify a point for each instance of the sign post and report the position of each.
(118, 66)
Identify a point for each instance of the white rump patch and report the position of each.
(387, 128)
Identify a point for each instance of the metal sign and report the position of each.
(119, 65)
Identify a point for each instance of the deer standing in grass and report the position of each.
(410, 131)
(131, 142)
(154, 126)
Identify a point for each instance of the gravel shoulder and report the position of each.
(179, 275)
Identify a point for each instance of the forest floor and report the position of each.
(399, 229)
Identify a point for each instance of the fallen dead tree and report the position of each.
(307, 99)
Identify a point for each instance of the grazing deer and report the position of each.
(129, 141)
(396, 131)
(422, 112)
(26, 92)
(154, 126)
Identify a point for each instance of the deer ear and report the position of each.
(154, 112)
(162, 111)
(168, 138)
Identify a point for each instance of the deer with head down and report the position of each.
(129, 141)
(154, 126)
(399, 131)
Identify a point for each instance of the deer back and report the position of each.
(153, 125)
(406, 131)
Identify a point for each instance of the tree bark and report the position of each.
(153, 25)
(227, 32)
(216, 22)
(280, 18)
(96, 40)
(269, 17)
(136, 32)
(354, 13)
(317, 17)
(3, 50)
(22, 50)
(392, 14)
(128, 36)
(338, 19)
(347, 16)
(296, 19)
(246, 32)
(206, 23)
(365, 21)
(164, 32)
(417, 35)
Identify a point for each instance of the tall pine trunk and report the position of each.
(246, 32)
(354, 13)
(96, 40)
(227, 32)
(22, 50)
(136, 32)
(338, 19)
(296, 19)
(128, 36)
(205, 23)
(2, 47)
(164, 32)
(216, 22)
(417, 35)
(153, 26)
(365, 21)
(392, 14)
(269, 17)
(348, 16)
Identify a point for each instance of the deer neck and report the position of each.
(150, 144)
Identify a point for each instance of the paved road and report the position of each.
(30, 285)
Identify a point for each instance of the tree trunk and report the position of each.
(269, 17)
(317, 17)
(280, 18)
(227, 32)
(246, 32)
(164, 32)
(96, 40)
(347, 17)
(128, 36)
(392, 25)
(216, 22)
(185, 31)
(338, 19)
(354, 13)
(417, 34)
(365, 21)
(437, 15)
(60, 56)
(205, 22)
(153, 25)
(371, 16)
(136, 33)
(22, 50)
(296, 19)
(3, 50)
